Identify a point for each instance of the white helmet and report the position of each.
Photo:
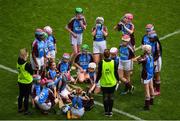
(114, 50)
(48, 29)
(100, 20)
(146, 48)
(65, 108)
(92, 65)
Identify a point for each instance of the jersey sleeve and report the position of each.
(70, 24)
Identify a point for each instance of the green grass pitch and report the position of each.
(19, 19)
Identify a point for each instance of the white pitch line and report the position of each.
(96, 102)
(8, 69)
(120, 112)
(164, 37)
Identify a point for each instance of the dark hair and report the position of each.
(106, 53)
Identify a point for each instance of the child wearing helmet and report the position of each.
(147, 75)
(126, 63)
(99, 33)
(114, 55)
(38, 59)
(91, 73)
(151, 38)
(77, 109)
(51, 42)
(93, 87)
(53, 75)
(82, 61)
(145, 40)
(157, 56)
(64, 67)
(36, 87)
(127, 27)
(46, 99)
(75, 27)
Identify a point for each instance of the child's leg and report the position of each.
(124, 79)
(60, 102)
(157, 82)
(55, 92)
(151, 92)
(96, 57)
(129, 85)
(81, 76)
(147, 97)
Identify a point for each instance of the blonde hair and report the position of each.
(23, 53)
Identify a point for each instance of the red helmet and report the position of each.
(126, 38)
(66, 56)
(129, 16)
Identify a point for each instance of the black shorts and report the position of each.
(108, 89)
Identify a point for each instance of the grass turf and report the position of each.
(20, 18)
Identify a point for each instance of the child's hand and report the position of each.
(81, 70)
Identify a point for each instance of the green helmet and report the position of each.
(45, 35)
(85, 47)
(78, 10)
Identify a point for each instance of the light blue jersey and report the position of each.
(77, 27)
(43, 95)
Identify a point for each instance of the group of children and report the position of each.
(54, 84)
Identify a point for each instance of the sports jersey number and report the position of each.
(41, 95)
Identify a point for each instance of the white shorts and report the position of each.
(52, 54)
(43, 106)
(146, 81)
(64, 92)
(126, 65)
(158, 64)
(78, 40)
(40, 62)
(99, 47)
(77, 112)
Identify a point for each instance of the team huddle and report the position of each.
(52, 83)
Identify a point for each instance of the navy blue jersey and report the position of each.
(64, 67)
(52, 74)
(75, 26)
(148, 66)
(83, 60)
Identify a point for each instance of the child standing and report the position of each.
(147, 75)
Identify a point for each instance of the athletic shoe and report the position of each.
(124, 92)
(132, 89)
(20, 110)
(110, 114)
(106, 114)
(27, 113)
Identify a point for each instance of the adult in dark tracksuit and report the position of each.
(25, 72)
(108, 76)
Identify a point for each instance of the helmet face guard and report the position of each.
(66, 56)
